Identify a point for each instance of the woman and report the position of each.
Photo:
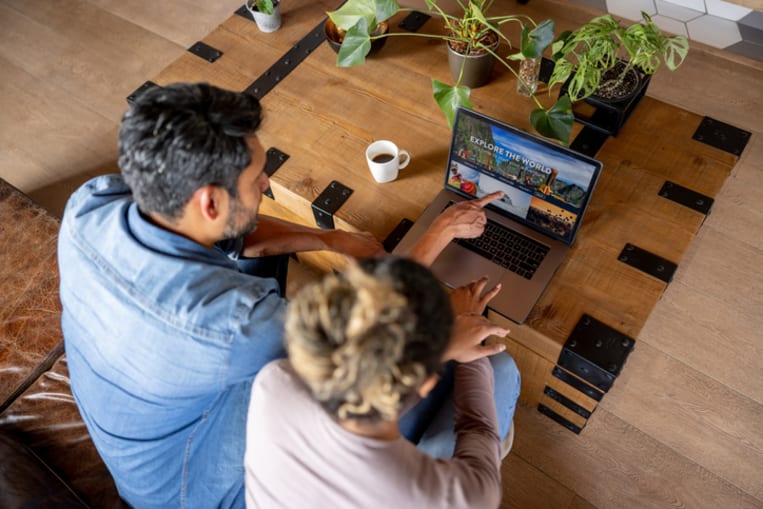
(363, 347)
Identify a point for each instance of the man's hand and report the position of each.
(470, 326)
(464, 220)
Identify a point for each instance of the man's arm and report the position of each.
(276, 236)
(464, 220)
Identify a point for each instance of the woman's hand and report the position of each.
(470, 327)
(471, 299)
(469, 330)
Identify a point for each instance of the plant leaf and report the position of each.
(535, 41)
(385, 9)
(556, 122)
(449, 98)
(348, 15)
(675, 51)
(356, 45)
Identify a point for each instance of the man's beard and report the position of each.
(241, 221)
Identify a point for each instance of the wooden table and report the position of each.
(323, 117)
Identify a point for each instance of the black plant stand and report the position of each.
(608, 116)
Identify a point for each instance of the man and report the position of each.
(164, 334)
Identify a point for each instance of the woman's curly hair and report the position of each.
(364, 340)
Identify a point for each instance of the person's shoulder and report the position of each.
(278, 371)
(95, 193)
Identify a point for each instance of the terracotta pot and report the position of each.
(335, 36)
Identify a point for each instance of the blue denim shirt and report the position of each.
(163, 339)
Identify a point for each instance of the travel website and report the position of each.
(543, 187)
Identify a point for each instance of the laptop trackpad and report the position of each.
(457, 266)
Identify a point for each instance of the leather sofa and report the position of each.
(48, 458)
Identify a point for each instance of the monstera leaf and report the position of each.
(556, 122)
(449, 98)
(356, 45)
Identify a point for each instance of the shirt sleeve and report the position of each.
(476, 427)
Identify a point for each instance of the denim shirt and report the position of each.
(163, 339)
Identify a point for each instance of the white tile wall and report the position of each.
(677, 12)
(713, 22)
(630, 9)
(717, 32)
(670, 25)
(726, 10)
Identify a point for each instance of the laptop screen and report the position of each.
(546, 186)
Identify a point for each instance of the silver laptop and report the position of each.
(546, 188)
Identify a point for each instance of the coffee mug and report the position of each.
(385, 160)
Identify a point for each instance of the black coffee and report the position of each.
(382, 158)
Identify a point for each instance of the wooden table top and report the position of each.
(323, 117)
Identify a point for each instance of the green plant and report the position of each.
(585, 55)
(263, 6)
(471, 32)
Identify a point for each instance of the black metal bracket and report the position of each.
(274, 159)
(595, 352)
(687, 197)
(655, 266)
(205, 51)
(244, 13)
(567, 402)
(397, 234)
(328, 202)
(577, 383)
(558, 418)
(143, 88)
(722, 136)
(589, 141)
(287, 63)
(414, 21)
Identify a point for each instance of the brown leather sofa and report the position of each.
(47, 458)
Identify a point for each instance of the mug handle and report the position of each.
(403, 163)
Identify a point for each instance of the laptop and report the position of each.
(547, 188)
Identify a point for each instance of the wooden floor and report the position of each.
(683, 425)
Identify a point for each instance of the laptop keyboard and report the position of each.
(514, 251)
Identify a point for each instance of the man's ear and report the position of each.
(209, 200)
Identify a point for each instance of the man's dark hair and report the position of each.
(177, 139)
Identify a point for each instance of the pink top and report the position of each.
(298, 456)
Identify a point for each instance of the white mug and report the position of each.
(385, 160)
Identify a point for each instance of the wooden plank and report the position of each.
(525, 486)
(615, 464)
(46, 129)
(180, 22)
(94, 51)
(720, 429)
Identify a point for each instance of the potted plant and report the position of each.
(606, 59)
(472, 32)
(266, 14)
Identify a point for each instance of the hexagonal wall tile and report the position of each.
(714, 31)
(630, 9)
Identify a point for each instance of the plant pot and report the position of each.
(609, 112)
(335, 36)
(477, 68)
(265, 22)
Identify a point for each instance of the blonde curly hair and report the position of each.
(364, 340)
